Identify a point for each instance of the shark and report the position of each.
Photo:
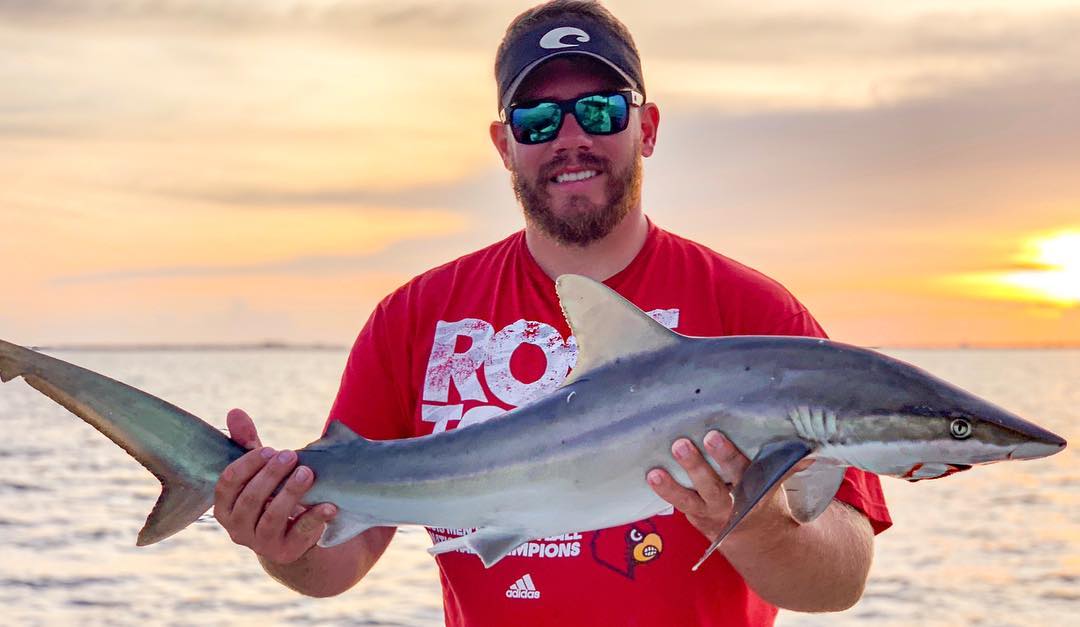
(576, 458)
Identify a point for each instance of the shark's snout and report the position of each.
(1033, 441)
(1035, 449)
(1028, 440)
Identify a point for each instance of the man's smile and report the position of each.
(573, 177)
(576, 178)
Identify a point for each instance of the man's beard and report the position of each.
(583, 221)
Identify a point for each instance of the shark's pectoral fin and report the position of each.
(490, 543)
(765, 471)
(344, 527)
(810, 491)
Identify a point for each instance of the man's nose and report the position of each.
(571, 136)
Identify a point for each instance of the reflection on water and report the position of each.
(997, 545)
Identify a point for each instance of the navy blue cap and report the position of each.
(565, 36)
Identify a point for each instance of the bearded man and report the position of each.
(473, 338)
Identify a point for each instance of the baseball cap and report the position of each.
(567, 35)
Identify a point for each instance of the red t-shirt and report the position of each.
(468, 340)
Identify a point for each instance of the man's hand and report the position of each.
(278, 529)
(820, 566)
(708, 506)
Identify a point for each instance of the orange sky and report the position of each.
(229, 171)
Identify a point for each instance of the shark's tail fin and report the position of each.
(183, 452)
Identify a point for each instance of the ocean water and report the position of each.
(999, 545)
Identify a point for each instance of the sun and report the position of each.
(1046, 271)
(1055, 273)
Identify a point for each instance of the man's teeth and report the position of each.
(569, 177)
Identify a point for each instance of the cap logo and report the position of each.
(553, 40)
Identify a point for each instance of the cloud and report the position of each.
(311, 264)
(977, 154)
(406, 258)
(1008, 129)
(298, 265)
(424, 24)
(13, 129)
(990, 159)
(748, 35)
(859, 149)
(468, 194)
(1023, 266)
(727, 32)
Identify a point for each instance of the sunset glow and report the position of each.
(1060, 279)
(1048, 272)
(233, 171)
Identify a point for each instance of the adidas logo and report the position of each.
(523, 589)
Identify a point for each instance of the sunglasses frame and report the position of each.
(633, 99)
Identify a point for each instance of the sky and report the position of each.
(227, 171)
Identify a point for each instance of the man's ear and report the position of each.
(500, 137)
(650, 125)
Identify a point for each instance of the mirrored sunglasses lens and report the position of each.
(602, 115)
(537, 124)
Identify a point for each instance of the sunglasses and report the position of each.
(539, 121)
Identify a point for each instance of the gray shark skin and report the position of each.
(576, 459)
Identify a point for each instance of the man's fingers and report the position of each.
(233, 479)
(708, 484)
(307, 529)
(685, 500)
(274, 520)
(249, 505)
(732, 463)
(242, 429)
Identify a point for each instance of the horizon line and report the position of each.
(335, 346)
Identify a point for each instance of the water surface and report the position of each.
(999, 545)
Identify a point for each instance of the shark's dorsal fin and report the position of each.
(606, 325)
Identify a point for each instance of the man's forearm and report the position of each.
(327, 572)
(819, 566)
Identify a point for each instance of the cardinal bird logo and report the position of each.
(623, 549)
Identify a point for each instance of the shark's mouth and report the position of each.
(933, 470)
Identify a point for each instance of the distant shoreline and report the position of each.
(149, 348)
(286, 346)
(982, 347)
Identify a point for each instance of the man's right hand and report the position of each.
(278, 529)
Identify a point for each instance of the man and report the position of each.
(466, 341)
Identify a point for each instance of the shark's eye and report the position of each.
(960, 429)
(635, 535)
